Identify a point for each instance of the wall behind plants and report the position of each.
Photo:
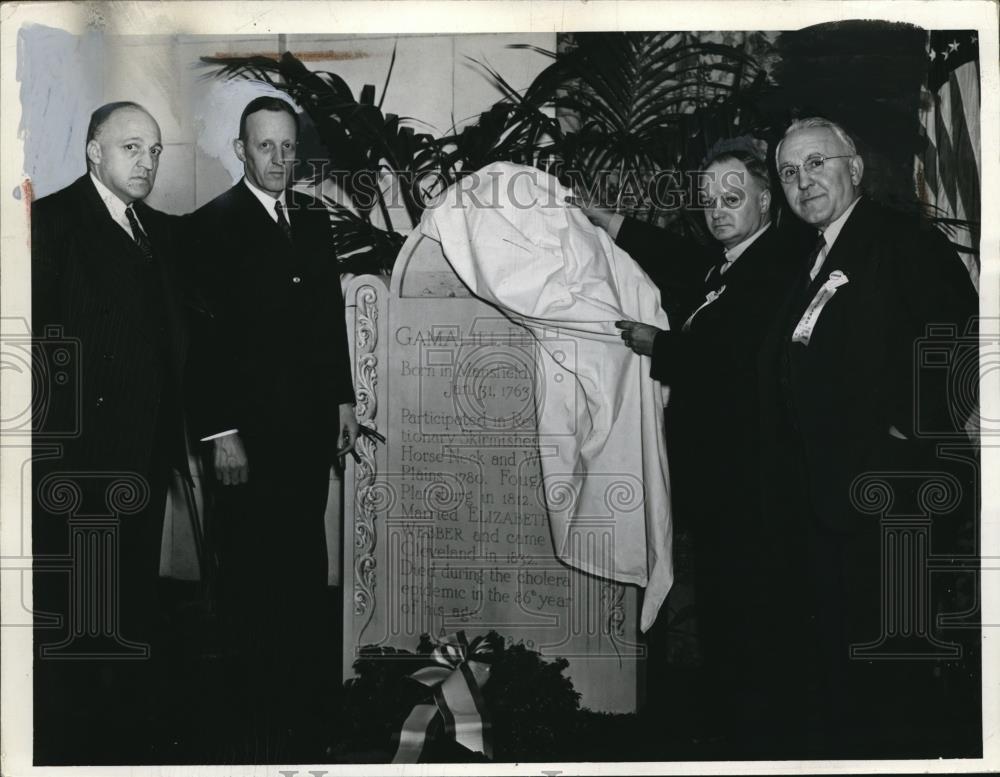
(63, 77)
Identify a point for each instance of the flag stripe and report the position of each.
(948, 168)
(946, 172)
(929, 161)
(968, 81)
(967, 171)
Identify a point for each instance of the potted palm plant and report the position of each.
(614, 114)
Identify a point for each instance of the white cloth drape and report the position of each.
(510, 237)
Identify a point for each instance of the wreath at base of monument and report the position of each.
(530, 710)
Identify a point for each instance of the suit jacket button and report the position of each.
(296, 279)
(99, 402)
(109, 357)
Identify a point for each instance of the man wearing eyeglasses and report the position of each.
(838, 391)
(709, 360)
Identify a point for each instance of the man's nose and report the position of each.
(146, 160)
(802, 177)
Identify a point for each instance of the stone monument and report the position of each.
(446, 524)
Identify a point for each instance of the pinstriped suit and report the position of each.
(93, 289)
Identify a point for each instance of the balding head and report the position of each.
(123, 149)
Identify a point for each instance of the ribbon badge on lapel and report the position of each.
(711, 297)
(461, 670)
(804, 329)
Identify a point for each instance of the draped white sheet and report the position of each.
(510, 237)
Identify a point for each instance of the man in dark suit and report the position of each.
(841, 400)
(105, 308)
(283, 398)
(709, 360)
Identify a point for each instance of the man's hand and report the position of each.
(348, 429)
(638, 337)
(600, 217)
(231, 466)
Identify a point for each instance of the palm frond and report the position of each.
(360, 246)
(614, 110)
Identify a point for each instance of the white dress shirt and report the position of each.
(115, 207)
(267, 200)
(731, 254)
(734, 253)
(830, 236)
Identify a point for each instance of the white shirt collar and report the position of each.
(832, 231)
(830, 234)
(267, 200)
(116, 208)
(734, 253)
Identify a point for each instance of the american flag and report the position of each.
(948, 169)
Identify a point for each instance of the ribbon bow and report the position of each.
(457, 680)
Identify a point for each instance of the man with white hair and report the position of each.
(841, 401)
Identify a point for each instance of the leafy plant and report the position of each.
(610, 114)
(638, 103)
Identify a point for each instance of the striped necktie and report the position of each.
(140, 237)
(816, 257)
(283, 220)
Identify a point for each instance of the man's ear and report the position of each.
(94, 152)
(240, 150)
(857, 166)
(765, 202)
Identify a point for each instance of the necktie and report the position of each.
(817, 257)
(714, 277)
(138, 235)
(283, 221)
(726, 264)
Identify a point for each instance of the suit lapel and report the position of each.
(848, 253)
(760, 250)
(112, 255)
(157, 229)
(301, 230)
(263, 223)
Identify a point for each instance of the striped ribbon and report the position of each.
(457, 682)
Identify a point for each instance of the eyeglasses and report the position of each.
(788, 173)
(727, 201)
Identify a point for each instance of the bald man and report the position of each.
(103, 293)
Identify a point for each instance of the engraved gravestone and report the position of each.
(446, 524)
